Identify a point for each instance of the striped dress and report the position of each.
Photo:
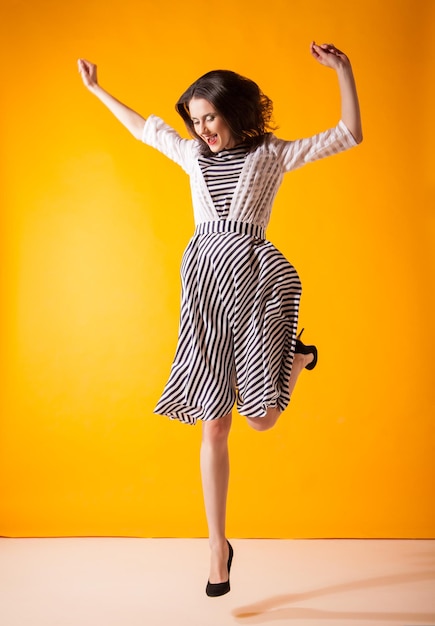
(240, 296)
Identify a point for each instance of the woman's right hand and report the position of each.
(88, 72)
(129, 118)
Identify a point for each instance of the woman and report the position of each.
(240, 296)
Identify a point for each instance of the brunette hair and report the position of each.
(246, 110)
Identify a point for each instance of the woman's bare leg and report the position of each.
(215, 469)
(300, 361)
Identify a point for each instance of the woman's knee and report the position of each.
(217, 430)
(260, 424)
(267, 422)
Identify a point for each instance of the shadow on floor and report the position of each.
(267, 609)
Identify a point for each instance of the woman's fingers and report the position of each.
(88, 71)
(327, 54)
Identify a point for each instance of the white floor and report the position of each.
(156, 582)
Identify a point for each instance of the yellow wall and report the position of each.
(94, 225)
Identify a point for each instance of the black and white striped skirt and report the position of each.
(239, 314)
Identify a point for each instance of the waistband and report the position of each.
(231, 226)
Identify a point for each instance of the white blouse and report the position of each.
(262, 172)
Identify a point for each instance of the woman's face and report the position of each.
(210, 125)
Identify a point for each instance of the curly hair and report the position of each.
(246, 110)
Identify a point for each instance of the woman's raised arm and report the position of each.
(330, 56)
(129, 118)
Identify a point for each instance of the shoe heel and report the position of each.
(214, 590)
(301, 348)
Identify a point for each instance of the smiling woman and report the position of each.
(210, 126)
(238, 100)
(240, 296)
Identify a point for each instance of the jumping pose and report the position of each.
(238, 341)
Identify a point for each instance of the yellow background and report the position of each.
(93, 229)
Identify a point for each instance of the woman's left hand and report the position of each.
(330, 56)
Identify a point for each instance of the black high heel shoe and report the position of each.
(303, 349)
(213, 590)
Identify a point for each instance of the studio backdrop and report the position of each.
(94, 225)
